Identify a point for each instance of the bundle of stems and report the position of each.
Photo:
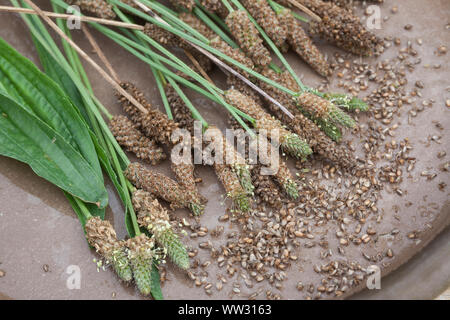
(70, 75)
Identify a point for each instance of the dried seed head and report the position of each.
(303, 126)
(99, 8)
(165, 37)
(267, 19)
(236, 162)
(162, 187)
(184, 173)
(154, 124)
(234, 53)
(102, 236)
(346, 4)
(286, 180)
(290, 142)
(237, 84)
(246, 34)
(314, 105)
(212, 5)
(155, 218)
(197, 24)
(134, 141)
(141, 253)
(265, 188)
(181, 112)
(302, 44)
(186, 4)
(232, 186)
(342, 28)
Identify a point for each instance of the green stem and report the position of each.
(199, 43)
(207, 20)
(228, 5)
(123, 182)
(212, 15)
(160, 86)
(271, 45)
(278, 7)
(83, 208)
(41, 34)
(171, 16)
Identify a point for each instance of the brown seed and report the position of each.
(442, 50)
(390, 253)
(2, 273)
(45, 267)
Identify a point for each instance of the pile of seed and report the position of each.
(268, 242)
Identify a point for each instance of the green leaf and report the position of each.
(156, 284)
(33, 89)
(25, 137)
(60, 76)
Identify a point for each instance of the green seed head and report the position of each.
(243, 173)
(295, 146)
(329, 129)
(142, 273)
(196, 208)
(174, 248)
(242, 202)
(291, 188)
(121, 264)
(338, 116)
(141, 253)
(357, 104)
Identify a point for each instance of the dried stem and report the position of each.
(216, 60)
(305, 10)
(198, 66)
(100, 53)
(86, 57)
(69, 16)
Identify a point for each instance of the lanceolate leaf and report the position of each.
(60, 76)
(156, 284)
(26, 83)
(25, 137)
